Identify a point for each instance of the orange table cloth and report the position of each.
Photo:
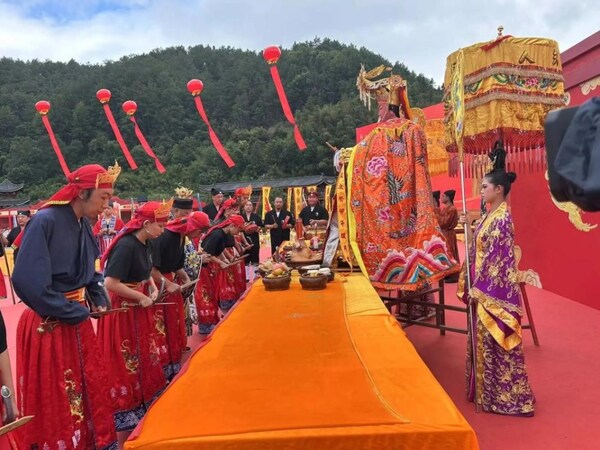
(299, 369)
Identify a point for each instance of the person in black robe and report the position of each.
(314, 214)
(252, 225)
(279, 222)
(213, 208)
(22, 219)
(168, 260)
(130, 341)
(208, 293)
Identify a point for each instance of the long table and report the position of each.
(303, 370)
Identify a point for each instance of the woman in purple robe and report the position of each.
(499, 379)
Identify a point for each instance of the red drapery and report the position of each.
(54, 142)
(119, 137)
(286, 107)
(146, 146)
(211, 133)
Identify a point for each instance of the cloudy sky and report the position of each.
(419, 33)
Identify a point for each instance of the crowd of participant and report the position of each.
(167, 268)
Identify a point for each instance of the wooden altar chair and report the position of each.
(532, 278)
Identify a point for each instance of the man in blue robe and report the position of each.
(60, 371)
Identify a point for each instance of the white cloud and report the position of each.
(419, 34)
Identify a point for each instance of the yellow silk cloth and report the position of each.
(312, 370)
(509, 87)
(437, 156)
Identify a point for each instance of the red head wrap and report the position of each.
(235, 220)
(192, 222)
(92, 176)
(230, 203)
(151, 212)
(243, 192)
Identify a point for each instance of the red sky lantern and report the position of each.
(103, 96)
(130, 108)
(42, 107)
(271, 55)
(195, 87)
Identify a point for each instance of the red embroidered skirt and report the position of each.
(226, 284)
(205, 296)
(62, 381)
(174, 320)
(128, 343)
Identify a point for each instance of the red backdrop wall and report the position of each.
(565, 258)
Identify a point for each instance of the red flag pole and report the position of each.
(43, 107)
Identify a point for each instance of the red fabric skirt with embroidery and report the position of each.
(62, 381)
(240, 277)
(205, 296)
(3, 292)
(174, 319)
(128, 343)
(226, 284)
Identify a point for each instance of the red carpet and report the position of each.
(562, 372)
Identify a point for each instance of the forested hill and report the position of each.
(240, 99)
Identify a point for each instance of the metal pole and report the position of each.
(471, 307)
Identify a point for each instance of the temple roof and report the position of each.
(9, 186)
(12, 202)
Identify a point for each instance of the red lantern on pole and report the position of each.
(195, 87)
(271, 55)
(42, 107)
(130, 108)
(103, 96)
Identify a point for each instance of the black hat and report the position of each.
(436, 195)
(24, 213)
(183, 203)
(215, 191)
(142, 198)
(450, 193)
(573, 154)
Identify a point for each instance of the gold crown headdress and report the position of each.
(391, 89)
(163, 211)
(107, 179)
(183, 192)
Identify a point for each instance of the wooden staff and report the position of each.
(14, 425)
